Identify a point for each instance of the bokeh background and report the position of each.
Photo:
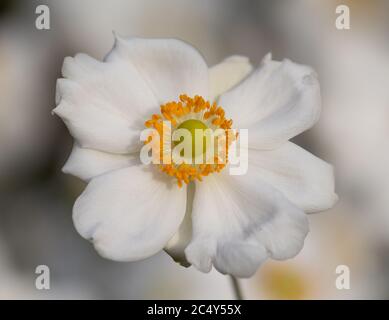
(36, 198)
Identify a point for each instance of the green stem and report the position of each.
(236, 288)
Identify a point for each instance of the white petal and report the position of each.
(238, 221)
(227, 74)
(99, 129)
(114, 86)
(98, 107)
(276, 102)
(105, 104)
(97, 98)
(88, 163)
(130, 213)
(304, 179)
(170, 67)
(176, 245)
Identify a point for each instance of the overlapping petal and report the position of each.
(88, 163)
(228, 73)
(238, 221)
(169, 67)
(130, 213)
(276, 102)
(104, 104)
(303, 178)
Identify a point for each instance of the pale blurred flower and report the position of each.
(234, 222)
(25, 128)
(91, 30)
(15, 284)
(312, 274)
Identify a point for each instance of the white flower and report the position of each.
(131, 211)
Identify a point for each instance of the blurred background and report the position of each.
(36, 198)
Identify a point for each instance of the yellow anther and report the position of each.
(212, 116)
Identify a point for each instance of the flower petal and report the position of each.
(276, 102)
(99, 129)
(170, 67)
(177, 244)
(102, 104)
(304, 179)
(88, 163)
(130, 213)
(238, 221)
(227, 74)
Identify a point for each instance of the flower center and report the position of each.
(208, 136)
(194, 127)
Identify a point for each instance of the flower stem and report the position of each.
(236, 288)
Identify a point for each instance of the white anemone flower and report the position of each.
(131, 211)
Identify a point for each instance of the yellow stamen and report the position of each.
(192, 113)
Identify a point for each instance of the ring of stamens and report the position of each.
(177, 112)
